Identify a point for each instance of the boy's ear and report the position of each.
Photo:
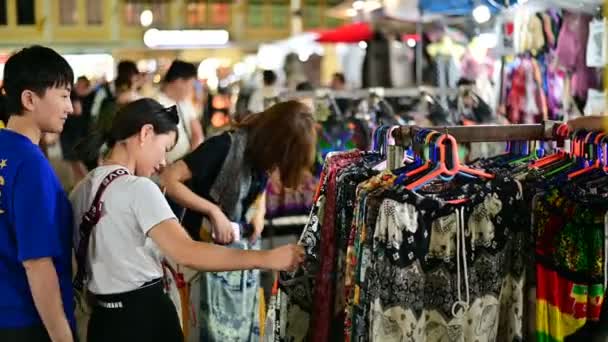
(28, 100)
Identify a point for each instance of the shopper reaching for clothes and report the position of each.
(220, 182)
(134, 226)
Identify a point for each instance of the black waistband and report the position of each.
(148, 291)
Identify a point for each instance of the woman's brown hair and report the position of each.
(282, 137)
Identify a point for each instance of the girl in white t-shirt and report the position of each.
(122, 259)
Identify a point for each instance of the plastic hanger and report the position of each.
(562, 131)
(415, 160)
(427, 164)
(379, 146)
(375, 142)
(577, 155)
(442, 168)
(597, 165)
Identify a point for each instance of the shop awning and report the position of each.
(428, 10)
(350, 33)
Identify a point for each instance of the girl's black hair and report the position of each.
(128, 121)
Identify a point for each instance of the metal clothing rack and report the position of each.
(484, 133)
(404, 136)
(364, 93)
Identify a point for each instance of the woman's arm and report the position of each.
(177, 244)
(258, 217)
(197, 133)
(173, 179)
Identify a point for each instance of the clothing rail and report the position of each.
(363, 93)
(484, 133)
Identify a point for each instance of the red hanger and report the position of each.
(441, 168)
(595, 166)
(427, 164)
(561, 131)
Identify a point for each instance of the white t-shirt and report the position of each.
(121, 257)
(262, 98)
(187, 113)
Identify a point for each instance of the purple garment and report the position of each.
(573, 40)
(571, 52)
(555, 89)
(583, 79)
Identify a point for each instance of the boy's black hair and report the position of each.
(126, 69)
(36, 68)
(465, 82)
(269, 77)
(305, 86)
(180, 70)
(340, 77)
(83, 79)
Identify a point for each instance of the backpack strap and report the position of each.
(89, 220)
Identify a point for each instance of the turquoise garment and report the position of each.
(230, 304)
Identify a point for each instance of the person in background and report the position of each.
(126, 89)
(37, 301)
(177, 89)
(267, 95)
(108, 99)
(120, 259)
(76, 128)
(338, 83)
(306, 86)
(128, 78)
(82, 88)
(222, 183)
(84, 94)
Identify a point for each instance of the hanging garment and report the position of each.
(555, 82)
(297, 301)
(448, 75)
(351, 60)
(516, 95)
(376, 65)
(401, 59)
(418, 266)
(572, 41)
(230, 304)
(571, 52)
(570, 265)
(358, 253)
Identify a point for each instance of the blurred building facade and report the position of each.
(114, 26)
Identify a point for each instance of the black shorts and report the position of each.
(146, 314)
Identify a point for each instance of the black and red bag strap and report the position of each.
(89, 220)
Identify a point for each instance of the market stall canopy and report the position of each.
(407, 10)
(350, 33)
(462, 7)
(413, 11)
(588, 6)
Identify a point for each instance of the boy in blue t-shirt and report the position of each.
(36, 299)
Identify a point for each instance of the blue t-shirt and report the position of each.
(35, 222)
